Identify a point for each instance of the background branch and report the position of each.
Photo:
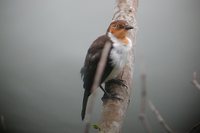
(142, 114)
(197, 85)
(195, 82)
(3, 124)
(159, 117)
(95, 85)
(144, 100)
(196, 126)
(89, 112)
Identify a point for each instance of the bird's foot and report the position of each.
(105, 92)
(119, 82)
(111, 96)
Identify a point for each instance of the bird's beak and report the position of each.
(128, 27)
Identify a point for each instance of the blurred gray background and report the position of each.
(43, 45)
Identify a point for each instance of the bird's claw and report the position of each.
(119, 82)
(111, 96)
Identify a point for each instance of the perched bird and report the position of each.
(121, 45)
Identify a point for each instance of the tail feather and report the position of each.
(84, 105)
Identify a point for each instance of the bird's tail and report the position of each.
(84, 105)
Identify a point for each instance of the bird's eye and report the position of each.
(120, 26)
(114, 26)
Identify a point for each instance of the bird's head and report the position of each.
(119, 29)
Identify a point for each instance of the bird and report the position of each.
(121, 45)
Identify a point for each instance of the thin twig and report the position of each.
(89, 112)
(195, 82)
(101, 66)
(160, 118)
(142, 115)
(87, 128)
(197, 85)
(3, 123)
(95, 85)
(143, 105)
(194, 128)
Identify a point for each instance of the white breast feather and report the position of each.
(119, 55)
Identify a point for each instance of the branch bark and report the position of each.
(160, 118)
(197, 85)
(144, 102)
(195, 82)
(142, 115)
(114, 109)
(3, 124)
(97, 78)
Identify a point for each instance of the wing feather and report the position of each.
(89, 69)
(91, 61)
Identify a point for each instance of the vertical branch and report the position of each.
(195, 82)
(142, 115)
(89, 112)
(197, 85)
(97, 78)
(114, 109)
(3, 123)
(196, 126)
(160, 118)
(101, 66)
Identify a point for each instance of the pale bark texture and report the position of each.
(142, 114)
(114, 109)
(195, 82)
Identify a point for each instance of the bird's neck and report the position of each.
(120, 37)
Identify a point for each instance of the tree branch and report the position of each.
(160, 118)
(195, 82)
(89, 112)
(194, 128)
(143, 105)
(114, 109)
(142, 115)
(95, 85)
(197, 85)
(3, 123)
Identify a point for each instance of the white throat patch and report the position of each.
(119, 55)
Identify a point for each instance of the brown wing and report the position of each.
(93, 56)
(89, 69)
